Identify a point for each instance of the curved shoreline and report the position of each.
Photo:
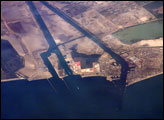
(156, 20)
(149, 43)
(139, 80)
(137, 33)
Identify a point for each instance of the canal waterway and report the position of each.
(52, 45)
(54, 48)
(37, 99)
(92, 37)
(146, 31)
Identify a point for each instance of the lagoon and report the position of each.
(146, 31)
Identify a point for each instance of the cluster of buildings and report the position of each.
(84, 66)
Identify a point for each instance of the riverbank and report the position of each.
(147, 77)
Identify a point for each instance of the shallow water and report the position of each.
(150, 30)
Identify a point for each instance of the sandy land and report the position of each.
(149, 43)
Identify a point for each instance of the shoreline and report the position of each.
(138, 80)
(156, 20)
(149, 43)
(132, 40)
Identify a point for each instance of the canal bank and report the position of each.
(52, 45)
(92, 37)
(124, 65)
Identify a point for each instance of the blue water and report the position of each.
(96, 97)
(36, 99)
(144, 99)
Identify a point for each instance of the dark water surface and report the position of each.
(144, 99)
(36, 99)
(95, 97)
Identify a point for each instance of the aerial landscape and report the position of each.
(81, 59)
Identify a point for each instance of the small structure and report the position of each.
(87, 70)
(97, 67)
(160, 10)
(85, 65)
(78, 64)
(134, 59)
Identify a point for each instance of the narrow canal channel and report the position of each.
(119, 59)
(53, 48)
(52, 45)
(36, 99)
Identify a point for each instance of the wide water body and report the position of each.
(36, 99)
(150, 30)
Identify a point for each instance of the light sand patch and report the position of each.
(149, 43)
(144, 19)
